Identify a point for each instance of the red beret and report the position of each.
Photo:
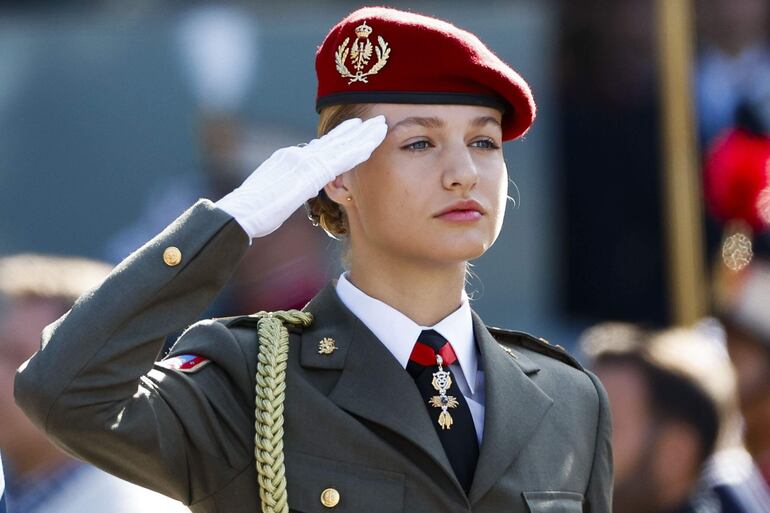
(737, 185)
(381, 55)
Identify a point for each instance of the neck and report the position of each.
(423, 291)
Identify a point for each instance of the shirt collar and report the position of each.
(399, 333)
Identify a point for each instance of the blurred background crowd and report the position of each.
(116, 116)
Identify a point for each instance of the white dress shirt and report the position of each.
(398, 333)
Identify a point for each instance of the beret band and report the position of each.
(414, 97)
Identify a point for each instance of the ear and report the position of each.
(337, 189)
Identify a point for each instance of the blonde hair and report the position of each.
(30, 275)
(322, 211)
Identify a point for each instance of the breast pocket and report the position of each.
(554, 502)
(316, 484)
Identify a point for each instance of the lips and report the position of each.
(465, 210)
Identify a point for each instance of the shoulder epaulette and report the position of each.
(541, 345)
(252, 320)
(238, 321)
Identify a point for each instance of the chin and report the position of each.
(459, 250)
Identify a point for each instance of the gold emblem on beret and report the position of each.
(360, 55)
(327, 345)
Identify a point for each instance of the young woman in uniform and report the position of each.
(386, 393)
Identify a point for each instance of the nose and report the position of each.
(459, 169)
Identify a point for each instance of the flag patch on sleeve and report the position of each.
(185, 362)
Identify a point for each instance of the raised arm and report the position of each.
(95, 387)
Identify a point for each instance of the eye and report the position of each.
(485, 144)
(417, 145)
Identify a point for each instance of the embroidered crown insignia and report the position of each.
(327, 345)
(359, 56)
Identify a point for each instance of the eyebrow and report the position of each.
(439, 123)
(419, 121)
(484, 120)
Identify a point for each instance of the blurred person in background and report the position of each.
(288, 266)
(35, 290)
(737, 189)
(672, 397)
(733, 60)
(219, 54)
(744, 306)
(732, 85)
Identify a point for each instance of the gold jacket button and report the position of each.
(172, 256)
(330, 497)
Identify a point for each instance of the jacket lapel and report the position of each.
(515, 405)
(373, 385)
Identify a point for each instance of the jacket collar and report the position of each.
(374, 386)
(515, 406)
(399, 333)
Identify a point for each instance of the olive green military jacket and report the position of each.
(354, 421)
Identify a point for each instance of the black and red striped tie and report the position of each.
(459, 437)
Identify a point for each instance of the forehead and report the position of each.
(450, 114)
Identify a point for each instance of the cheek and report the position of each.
(502, 188)
(390, 193)
(496, 190)
(381, 199)
(401, 210)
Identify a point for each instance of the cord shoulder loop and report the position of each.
(268, 413)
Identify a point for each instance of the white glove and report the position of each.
(293, 175)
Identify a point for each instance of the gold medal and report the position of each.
(442, 380)
(449, 401)
(445, 420)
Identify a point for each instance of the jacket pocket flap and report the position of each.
(554, 502)
(357, 488)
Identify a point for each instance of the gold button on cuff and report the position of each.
(172, 256)
(330, 497)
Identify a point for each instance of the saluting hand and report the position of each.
(295, 174)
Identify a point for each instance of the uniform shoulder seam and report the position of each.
(237, 321)
(516, 338)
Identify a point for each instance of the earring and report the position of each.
(349, 198)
